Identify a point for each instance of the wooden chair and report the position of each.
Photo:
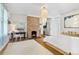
(17, 37)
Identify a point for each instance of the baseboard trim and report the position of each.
(3, 48)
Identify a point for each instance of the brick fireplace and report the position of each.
(33, 27)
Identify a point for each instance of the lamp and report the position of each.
(43, 18)
(43, 15)
(44, 12)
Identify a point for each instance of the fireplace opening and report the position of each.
(34, 34)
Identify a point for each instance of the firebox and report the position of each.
(34, 34)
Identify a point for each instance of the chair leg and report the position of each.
(20, 38)
(16, 39)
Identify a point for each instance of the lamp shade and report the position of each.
(44, 12)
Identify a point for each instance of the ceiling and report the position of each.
(34, 8)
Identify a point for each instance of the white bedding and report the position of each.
(66, 43)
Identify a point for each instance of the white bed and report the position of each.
(64, 42)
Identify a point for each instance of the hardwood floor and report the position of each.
(50, 47)
(27, 47)
(1, 52)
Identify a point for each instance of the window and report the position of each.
(3, 25)
(1, 13)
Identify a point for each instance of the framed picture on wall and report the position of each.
(71, 21)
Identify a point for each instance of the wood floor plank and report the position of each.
(50, 47)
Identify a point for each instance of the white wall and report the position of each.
(54, 26)
(48, 26)
(19, 20)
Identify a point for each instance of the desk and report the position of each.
(14, 33)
